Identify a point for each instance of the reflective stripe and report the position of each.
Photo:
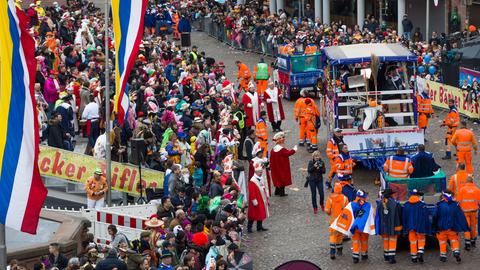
(399, 173)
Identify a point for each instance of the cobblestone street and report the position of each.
(294, 231)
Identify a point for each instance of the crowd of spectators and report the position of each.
(252, 27)
(181, 106)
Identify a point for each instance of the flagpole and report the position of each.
(107, 110)
(3, 248)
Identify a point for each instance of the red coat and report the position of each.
(275, 96)
(252, 113)
(280, 166)
(257, 200)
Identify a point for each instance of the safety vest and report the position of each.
(240, 119)
(332, 149)
(424, 105)
(194, 55)
(262, 72)
(457, 181)
(398, 167)
(469, 197)
(463, 140)
(452, 119)
(311, 49)
(344, 166)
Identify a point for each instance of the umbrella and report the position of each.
(241, 261)
(298, 264)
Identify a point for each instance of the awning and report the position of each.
(359, 53)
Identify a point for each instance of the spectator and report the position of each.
(111, 262)
(407, 27)
(56, 259)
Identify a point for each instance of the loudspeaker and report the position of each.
(185, 39)
(138, 150)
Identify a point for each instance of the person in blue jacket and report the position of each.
(424, 164)
(448, 221)
(388, 223)
(416, 224)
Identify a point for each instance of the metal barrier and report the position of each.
(242, 40)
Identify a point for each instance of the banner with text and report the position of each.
(76, 167)
(441, 93)
(379, 143)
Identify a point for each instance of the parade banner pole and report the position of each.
(3, 248)
(107, 109)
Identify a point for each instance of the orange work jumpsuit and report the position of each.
(332, 153)
(311, 114)
(244, 76)
(261, 131)
(451, 121)
(344, 167)
(299, 111)
(335, 204)
(465, 140)
(457, 181)
(398, 167)
(261, 84)
(311, 49)
(469, 198)
(424, 109)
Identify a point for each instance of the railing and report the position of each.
(242, 40)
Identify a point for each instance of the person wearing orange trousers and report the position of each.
(448, 221)
(345, 165)
(261, 74)
(424, 109)
(333, 146)
(416, 223)
(299, 113)
(469, 198)
(458, 180)
(261, 132)
(388, 224)
(464, 139)
(243, 76)
(175, 20)
(311, 114)
(451, 121)
(360, 237)
(334, 206)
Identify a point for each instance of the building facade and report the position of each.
(445, 16)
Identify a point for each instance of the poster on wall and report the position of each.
(382, 142)
(467, 77)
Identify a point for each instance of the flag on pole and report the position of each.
(22, 192)
(128, 26)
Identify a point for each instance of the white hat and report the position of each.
(256, 149)
(279, 135)
(258, 166)
(197, 120)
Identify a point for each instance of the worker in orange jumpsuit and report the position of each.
(388, 224)
(424, 109)
(360, 238)
(458, 180)
(448, 221)
(261, 132)
(335, 204)
(299, 113)
(464, 139)
(399, 165)
(345, 165)
(311, 115)
(451, 121)
(333, 146)
(243, 76)
(469, 198)
(311, 48)
(175, 20)
(261, 74)
(416, 223)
